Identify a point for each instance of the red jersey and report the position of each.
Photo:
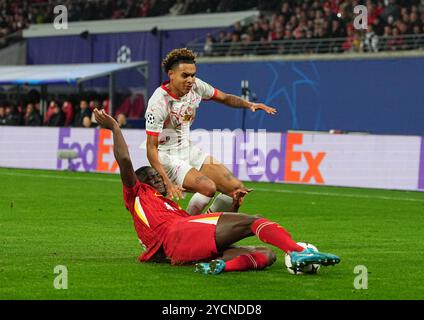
(153, 214)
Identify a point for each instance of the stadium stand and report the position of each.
(283, 27)
(294, 27)
(281, 21)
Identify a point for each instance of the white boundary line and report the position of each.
(312, 193)
(346, 195)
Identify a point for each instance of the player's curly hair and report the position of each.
(177, 56)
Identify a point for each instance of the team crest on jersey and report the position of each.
(188, 116)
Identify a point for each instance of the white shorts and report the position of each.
(177, 165)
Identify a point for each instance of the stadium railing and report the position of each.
(305, 46)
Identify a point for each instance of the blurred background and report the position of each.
(303, 57)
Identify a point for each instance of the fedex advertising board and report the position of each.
(371, 161)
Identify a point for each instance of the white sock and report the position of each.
(222, 203)
(197, 203)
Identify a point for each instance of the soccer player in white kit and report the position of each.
(170, 112)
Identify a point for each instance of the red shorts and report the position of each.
(192, 239)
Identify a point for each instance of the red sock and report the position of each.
(255, 260)
(272, 233)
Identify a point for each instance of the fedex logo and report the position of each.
(251, 152)
(312, 161)
(278, 162)
(93, 148)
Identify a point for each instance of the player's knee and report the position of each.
(264, 257)
(270, 255)
(208, 189)
(238, 185)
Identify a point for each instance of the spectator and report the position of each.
(106, 105)
(86, 122)
(12, 115)
(178, 8)
(415, 21)
(238, 29)
(143, 9)
(385, 38)
(81, 113)
(370, 41)
(50, 111)
(378, 26)
(391, 10)
(246, 47)
(286, 10)
(235, 47)
(57, 119)
(417, 40)
(32, 117)
(352, 42)
(2, 116)
(223, 37)
(122, 121)
(209, 45)
(397, 42)
(68, 110)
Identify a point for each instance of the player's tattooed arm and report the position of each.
(231, 100)
(238, 102)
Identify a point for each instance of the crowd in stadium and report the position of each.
(280, 20)
(315, 20)
(66, 113)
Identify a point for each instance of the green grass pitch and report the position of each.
(78, 220)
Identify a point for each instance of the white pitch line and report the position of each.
(347, 195)
(329, 194)
(57, 177)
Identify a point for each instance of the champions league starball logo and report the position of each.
(150, 118)
(123, 55)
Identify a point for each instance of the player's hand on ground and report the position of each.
(174, 191)
(260, 106)
(103, 119)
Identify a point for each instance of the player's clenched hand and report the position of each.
(104, 120)
(174, 192)
(260, 106)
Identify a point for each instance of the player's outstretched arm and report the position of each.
(237, 102)
(120, 148)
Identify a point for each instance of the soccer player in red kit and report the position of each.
(169, 233)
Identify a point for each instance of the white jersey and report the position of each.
(170, 117)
